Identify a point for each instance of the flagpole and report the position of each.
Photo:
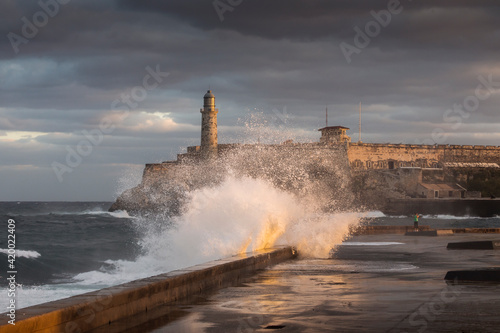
(359, 139)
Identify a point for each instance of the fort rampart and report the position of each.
(361, 156)
(392, 156)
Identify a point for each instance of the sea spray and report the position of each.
(239, 214)
(242, 214)
(316, 234)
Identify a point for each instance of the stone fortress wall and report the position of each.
(154, 171)
(366, 156)
(384, 170)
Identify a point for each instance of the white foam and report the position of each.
(448, 217)
(33, 295)
(372, 214)
(23, 253)
(121, 214)
(118, 214)
(379, 214)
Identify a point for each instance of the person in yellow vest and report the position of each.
(415, 221)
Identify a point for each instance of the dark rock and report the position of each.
(478, 245)
(491, 274)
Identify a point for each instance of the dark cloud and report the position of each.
(422, 21)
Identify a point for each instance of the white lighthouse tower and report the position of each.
(209, 127)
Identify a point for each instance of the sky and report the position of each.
(92, 90)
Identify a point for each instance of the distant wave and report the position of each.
(372, 214)
(122, 214)
(379, 214)
(450, 217)
(23, 254)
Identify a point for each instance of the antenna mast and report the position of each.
(359, 139)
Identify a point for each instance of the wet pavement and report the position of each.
(382, 283)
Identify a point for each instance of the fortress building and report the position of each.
(334, 134)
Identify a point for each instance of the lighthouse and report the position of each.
(209, 127)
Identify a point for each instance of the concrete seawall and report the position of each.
(476, 230)
(89, 311)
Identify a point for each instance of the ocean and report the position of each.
(61, 246)
(69, 248)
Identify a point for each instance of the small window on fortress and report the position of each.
(401, 164)
(369, 164)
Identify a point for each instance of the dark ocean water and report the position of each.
(56, 241)
(68, 248)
